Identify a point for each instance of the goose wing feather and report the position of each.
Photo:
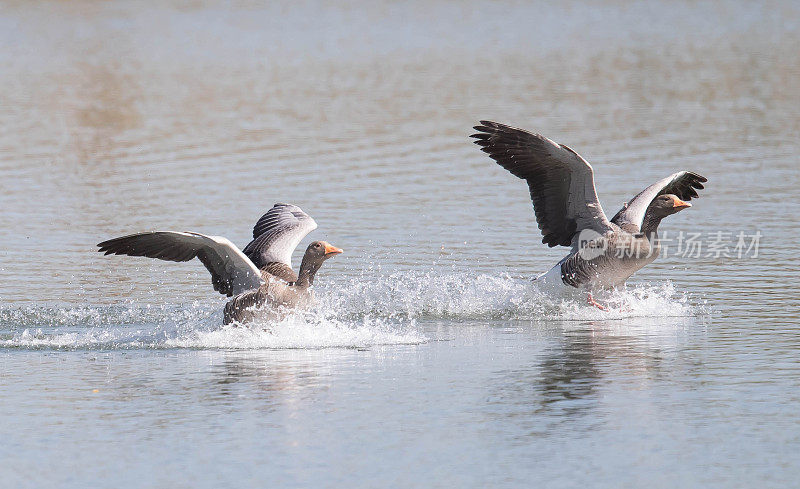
(231, 271)
(277, 233)
(683, 184)
(561, 182)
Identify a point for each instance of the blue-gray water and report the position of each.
(431, 361)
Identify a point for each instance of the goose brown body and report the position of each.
(277, 295)
(609, 260)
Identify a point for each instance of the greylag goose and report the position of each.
(259, 277)
(604, 253)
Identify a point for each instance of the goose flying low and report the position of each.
(605, 253)
(260, 277)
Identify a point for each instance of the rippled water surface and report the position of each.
(431, 360)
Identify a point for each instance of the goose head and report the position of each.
(319, 251)
(661, 207)
(666, 205)
(315, 255)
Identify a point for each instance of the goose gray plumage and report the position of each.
(605, 253)
(260, 277)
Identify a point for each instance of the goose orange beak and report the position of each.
(332, 250)
(679, 204)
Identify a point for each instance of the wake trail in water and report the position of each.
(371, 310)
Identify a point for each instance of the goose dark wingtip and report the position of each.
(491, 127)
(104, 244)
(106, 247)
(698, 176)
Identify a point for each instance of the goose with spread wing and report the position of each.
(258, 277)
(605, 253)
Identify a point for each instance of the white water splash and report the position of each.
(462, 296)
(373, 310)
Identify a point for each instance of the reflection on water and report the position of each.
(566, 381)
(568, 373)
(431, 351)
(272, 380)
(561, 383)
